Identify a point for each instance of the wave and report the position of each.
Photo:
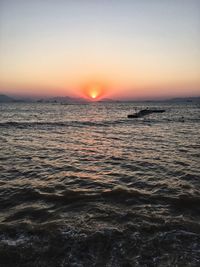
(25, 124)
(103, 123)
(118, 194)
(53, 245)
(117, 228)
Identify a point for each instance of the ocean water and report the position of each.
(82, 185)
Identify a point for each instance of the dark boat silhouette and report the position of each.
(145, 112)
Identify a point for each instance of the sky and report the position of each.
(125, 49)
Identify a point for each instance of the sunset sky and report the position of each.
(122, 48)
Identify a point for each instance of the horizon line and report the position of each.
(46, 98)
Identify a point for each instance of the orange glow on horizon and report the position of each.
(94, 91)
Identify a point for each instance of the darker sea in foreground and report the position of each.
(82, 185)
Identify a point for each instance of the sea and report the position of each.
(83, 185)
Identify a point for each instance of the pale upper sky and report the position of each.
(133, 48)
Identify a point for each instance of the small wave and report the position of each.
(124, 192)
(25, 124)
(187, 201)
(51, 245)
(15, 241)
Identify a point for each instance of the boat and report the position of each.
(145, 112)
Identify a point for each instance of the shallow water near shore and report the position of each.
(82, 185)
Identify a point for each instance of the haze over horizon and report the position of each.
(99, 49)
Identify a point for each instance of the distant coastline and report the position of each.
(70, 100)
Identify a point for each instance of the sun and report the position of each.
(94, 91)
(93, 95)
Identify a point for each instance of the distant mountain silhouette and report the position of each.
(63, 100)
(195, 99)
(184, 99)
(107, 100)
(72, 100)
(6, 99)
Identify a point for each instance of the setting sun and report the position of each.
(94, 95)
(94, 91)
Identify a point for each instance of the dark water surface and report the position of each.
(82, 185)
